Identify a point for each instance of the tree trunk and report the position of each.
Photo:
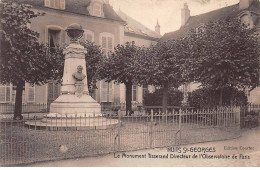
(18, 101)
(231, 97)
(221, 96)
(165, 98)
(128, 98)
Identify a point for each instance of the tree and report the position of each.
(123, 67)
(225, 54)
(175, 98)
(23, 58)
(165, 65)
(208, 98)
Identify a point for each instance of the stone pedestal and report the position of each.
(72, 101)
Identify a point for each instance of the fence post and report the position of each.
(151, 130)
(180, 123)
(119, 126)
(180, 116)
(237, 115)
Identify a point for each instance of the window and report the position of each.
(53, 91)
(54, 35)
(106, 91)
(88, 35)
(107, 43)
(97, 9)
(14, 94)
(31, 93)
(5, 93)
(58, 4)
(134, 93)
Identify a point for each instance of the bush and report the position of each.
(209, 98)
(175, 98)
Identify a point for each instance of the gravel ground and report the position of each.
(249, 138)
(20, 144)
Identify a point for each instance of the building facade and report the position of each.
(102, 25)
(248, 11)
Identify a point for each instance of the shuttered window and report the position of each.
(58, 4)
(31, 93)
(107, 44)
(106, 91)
(134, 93)
(97, 9)
(88, 35)
(2, 94)
(62, 4)
(5, 93)
(47, 3)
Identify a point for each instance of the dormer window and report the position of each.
(97, 9)
(57, 4)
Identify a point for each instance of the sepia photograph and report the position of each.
(130, 83)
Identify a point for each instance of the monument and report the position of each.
(75, 107)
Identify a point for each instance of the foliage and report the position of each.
(225, 54)
(23, 58)
(175, 98)
(123, 66)
(166, 64)
(208, 98)
(93, 63)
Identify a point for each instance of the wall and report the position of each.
(62, 20)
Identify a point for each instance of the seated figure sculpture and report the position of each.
(79, 84)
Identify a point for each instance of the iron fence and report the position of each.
(109, 106)
(53, 138)
(26, 107)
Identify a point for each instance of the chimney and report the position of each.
(157, 28)
(185, 14)
(244, 4)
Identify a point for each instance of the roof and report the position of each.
(136, 28)
(195, 21)
(77, 7)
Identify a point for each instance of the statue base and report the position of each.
(70, 112)
(72, 104)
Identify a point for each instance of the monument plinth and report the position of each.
(74, 98)
(74, 102)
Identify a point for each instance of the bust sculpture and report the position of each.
(79, 84)
(79, 76)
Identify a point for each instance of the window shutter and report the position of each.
(62, 4)
(2, 94)
(109, 45)
(8, 94)
(31, 94)
(56, 90)
(110, 92)
(104, 86)
(134, 93)
(97, 9)
(104, 46)
(56, 3)
(47, 3)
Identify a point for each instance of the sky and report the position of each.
(168, 12)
